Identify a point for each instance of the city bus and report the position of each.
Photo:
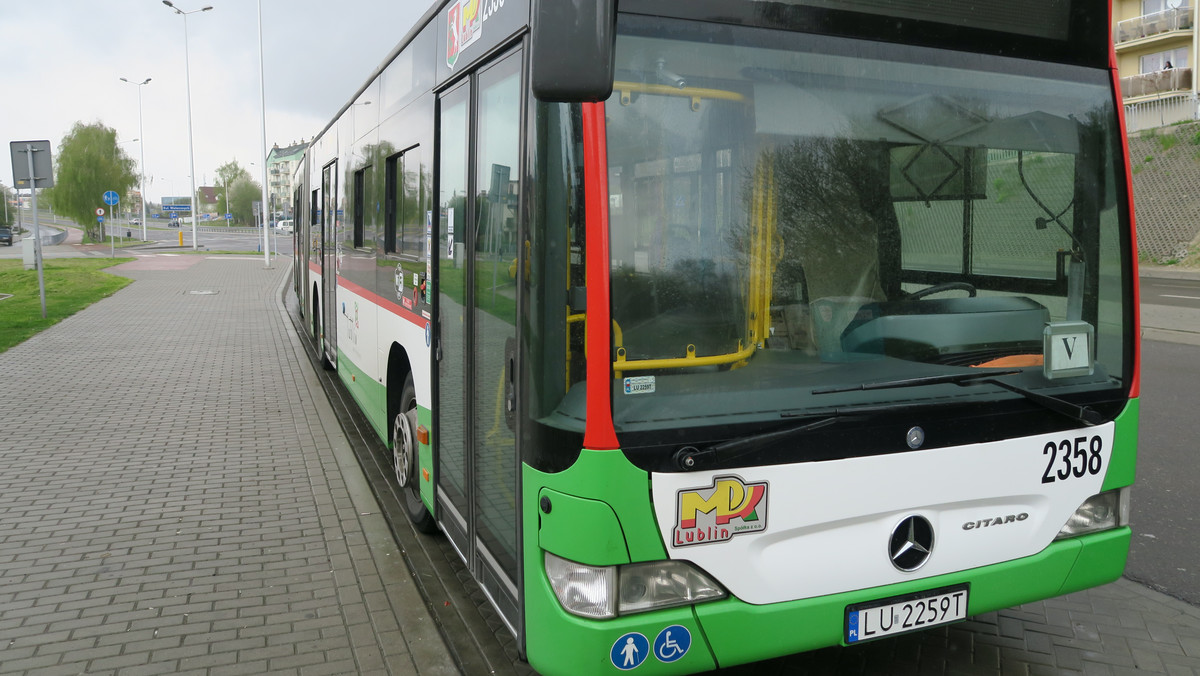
(713, 331)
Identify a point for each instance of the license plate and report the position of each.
(901, 614)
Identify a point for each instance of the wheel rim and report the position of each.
(404, 446)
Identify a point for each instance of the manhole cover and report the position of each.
(203, 292)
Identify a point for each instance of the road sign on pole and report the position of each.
(99, 211)
(36, 169)
(111, 198)
(41, 170)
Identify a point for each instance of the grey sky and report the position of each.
(62, 61)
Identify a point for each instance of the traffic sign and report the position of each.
(229, 217)
(177, 207)
(111, 197)
(99, 211)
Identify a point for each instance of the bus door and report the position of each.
(329, 251)
(480, 187)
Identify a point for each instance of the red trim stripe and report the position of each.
(599, 433)
(313, 267)
(391, 306)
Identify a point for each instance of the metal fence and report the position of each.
(1153, 24)
(1160, 112)
(1159, 82)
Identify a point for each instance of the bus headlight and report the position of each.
(607, 591)
(1103, 511)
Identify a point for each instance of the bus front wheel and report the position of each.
(404, 459)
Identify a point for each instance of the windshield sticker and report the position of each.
(718, 512)
(639, 385)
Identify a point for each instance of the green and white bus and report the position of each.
(718, 330)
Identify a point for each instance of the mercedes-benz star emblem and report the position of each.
(911, 544)
(915, 438)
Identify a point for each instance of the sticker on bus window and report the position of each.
(639, 385)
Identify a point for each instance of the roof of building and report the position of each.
(293, 151)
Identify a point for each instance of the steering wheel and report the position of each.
(944, 286)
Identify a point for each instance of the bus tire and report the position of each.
(405, 462)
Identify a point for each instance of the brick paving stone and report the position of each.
(171, 502)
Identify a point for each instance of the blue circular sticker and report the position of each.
(672, 643)
(629, 651)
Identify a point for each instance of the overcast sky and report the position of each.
(62, 61)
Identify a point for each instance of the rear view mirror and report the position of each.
(572, 53)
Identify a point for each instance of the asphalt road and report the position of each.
(1172, 292)
(1165, 554)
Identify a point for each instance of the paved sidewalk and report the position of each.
(176, 495)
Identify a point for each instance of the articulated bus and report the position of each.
(718, 330)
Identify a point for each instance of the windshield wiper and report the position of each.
(915, 382)
(1083, 414)
(690, 458)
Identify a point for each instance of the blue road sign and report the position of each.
(229, 217)
(111, 197)
(177, 207)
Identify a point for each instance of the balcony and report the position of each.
(1153, 24)
(1161, 82)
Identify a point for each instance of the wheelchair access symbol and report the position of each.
(672, 643)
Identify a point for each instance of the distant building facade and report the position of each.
(281, 162)
(1155, 43)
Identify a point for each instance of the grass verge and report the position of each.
(71, 285)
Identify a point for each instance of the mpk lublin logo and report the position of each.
(718, 512)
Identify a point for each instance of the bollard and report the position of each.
(180, 238)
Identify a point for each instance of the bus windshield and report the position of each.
(794, 213)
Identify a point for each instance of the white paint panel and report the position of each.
(828, 524)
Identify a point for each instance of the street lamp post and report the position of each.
(115, 210)
(142, 147)
(262, 98)
(188, 75)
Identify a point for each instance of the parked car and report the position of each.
(6, 235)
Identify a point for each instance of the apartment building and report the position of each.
(1156, 46)
(281, 162)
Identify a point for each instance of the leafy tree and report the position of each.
(89, 162)
(228, 175)
(242, 195)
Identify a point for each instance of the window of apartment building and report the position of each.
(1153, 6)
(1172, 58)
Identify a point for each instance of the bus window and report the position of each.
(781, 217)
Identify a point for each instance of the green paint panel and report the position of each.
(425, 460)
(581, 530)
(1101, 561)
(609, 477)
(370, 395)
(559, 643)
(741, 633)
(1122, 468)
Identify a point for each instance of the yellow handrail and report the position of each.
(696, 94)
(690, 361)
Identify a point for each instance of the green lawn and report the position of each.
(71, 285)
